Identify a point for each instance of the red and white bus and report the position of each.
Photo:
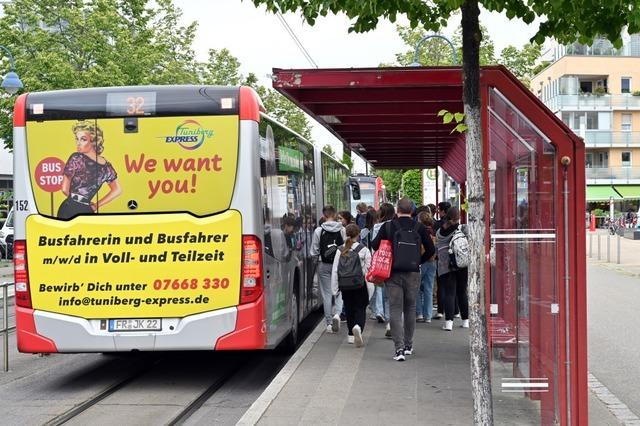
(372, 191)
(163, 218)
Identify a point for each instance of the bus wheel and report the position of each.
(291, 341)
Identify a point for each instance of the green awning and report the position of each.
(629, 191)
(602, 193)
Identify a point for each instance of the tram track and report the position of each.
(203, 397)
(110, 390)
(143, 377)
(172, 388)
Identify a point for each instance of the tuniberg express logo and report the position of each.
(189, 135)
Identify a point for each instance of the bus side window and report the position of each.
(267, 176)
(355, 189)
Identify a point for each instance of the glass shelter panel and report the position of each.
(523, 326)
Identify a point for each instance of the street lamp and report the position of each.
(11, 82)
(416, 56)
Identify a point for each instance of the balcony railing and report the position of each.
(594, 102)
(620, 174)
(609, 138)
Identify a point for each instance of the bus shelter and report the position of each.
(535, 203)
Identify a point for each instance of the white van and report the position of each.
(6, 237)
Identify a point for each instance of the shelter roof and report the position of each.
(389, 116)
(386, 115)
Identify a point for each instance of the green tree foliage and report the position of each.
(522, 62)
(6, 199)
(412, 185)
(285, 111)
(435, 51)
(347, 160)
(222, 68)
(458, 117)
(540, 67)
(70, 44)
(98, 43)
(392, 179)
(327, 149)
(562, 19)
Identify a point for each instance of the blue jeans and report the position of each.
(381, 303)
(424, 305)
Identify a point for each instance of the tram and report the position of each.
(164, 218)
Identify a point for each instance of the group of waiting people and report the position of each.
(407, 296)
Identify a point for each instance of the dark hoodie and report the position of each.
(328, 226)
(406, 223)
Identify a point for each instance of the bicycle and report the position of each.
(612, 226)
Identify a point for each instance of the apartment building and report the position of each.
(595, 90)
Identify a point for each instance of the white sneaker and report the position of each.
(399, 356)
(335, 323)
(387, 332)
(350, 340)
(437, 316)
(357, 334)
(456, 316)
(448, 326)
(465, 323)
(329, 329)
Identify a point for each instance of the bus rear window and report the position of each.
(9, 222)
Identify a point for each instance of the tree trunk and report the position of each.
(480, 377)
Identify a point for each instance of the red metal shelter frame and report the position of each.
(389, 117)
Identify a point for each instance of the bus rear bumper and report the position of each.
(250, 331)
(27, 337)
(240, 327)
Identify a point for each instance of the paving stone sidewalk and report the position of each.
(338, 384)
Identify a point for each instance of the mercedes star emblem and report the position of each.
(132, 204)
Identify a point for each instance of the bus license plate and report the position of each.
(144, 324)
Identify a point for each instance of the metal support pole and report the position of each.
(10, 56)
(567, 284)
(590, 245)
(5, 326)
(437, 188)
(599, 246)
(416, 56)
(618, 255)
(609, 248)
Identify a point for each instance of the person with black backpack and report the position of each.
(453, 262)
(412, 246)
(350, 266)
(443, 207)
(326, 240)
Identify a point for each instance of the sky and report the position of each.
(260, 42)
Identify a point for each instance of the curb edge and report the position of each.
(260, 405)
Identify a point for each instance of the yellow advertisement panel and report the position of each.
(134, 266)
(133, 165)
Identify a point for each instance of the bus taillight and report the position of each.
(251, 269)
(21, 274)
